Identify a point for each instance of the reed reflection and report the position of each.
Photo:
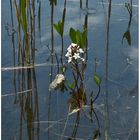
(52, 4)
(14, 49)
(28, 103)
(107, 125)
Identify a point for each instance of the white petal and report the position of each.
(67, 54)
(69, 47)
(70, 59)
(69, 50)
(76, 55)
(82, 59)
(81, 51)
(73, 44)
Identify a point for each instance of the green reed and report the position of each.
(25, 15)
(59, 27)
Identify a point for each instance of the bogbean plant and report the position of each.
(75, 55)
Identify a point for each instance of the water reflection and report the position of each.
(28, 104)
(107, 122)
(71, 105)
(127, 34)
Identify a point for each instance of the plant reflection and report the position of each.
(28, 103)
(127, 34)
(107, 125)
(26, 78)
(78, 102)
(59, 27)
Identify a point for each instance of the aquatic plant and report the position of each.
(74, 53)
(25, 14)
(59, 27)
(97, 79)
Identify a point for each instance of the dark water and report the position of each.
(31, 112)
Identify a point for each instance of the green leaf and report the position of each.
(56, 27)
(78, 38)
(84, 38)
(71, 86)
(68, 84)
(23, 4)
(127, 35)
(59, 28)
(97, 79)
(72, 35)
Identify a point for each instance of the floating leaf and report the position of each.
(97, 79)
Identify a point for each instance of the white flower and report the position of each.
(73, 44)
(70, 59)
(78, 47)
(76, 55)
(74, 52)
(81, 50)
(67, 54)
(69, 48)
(83, 59)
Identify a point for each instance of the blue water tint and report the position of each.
(117, 104)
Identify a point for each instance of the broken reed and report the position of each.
(25, 14)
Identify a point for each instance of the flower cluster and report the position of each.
(74, 52)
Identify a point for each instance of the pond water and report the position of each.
(30, 111)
